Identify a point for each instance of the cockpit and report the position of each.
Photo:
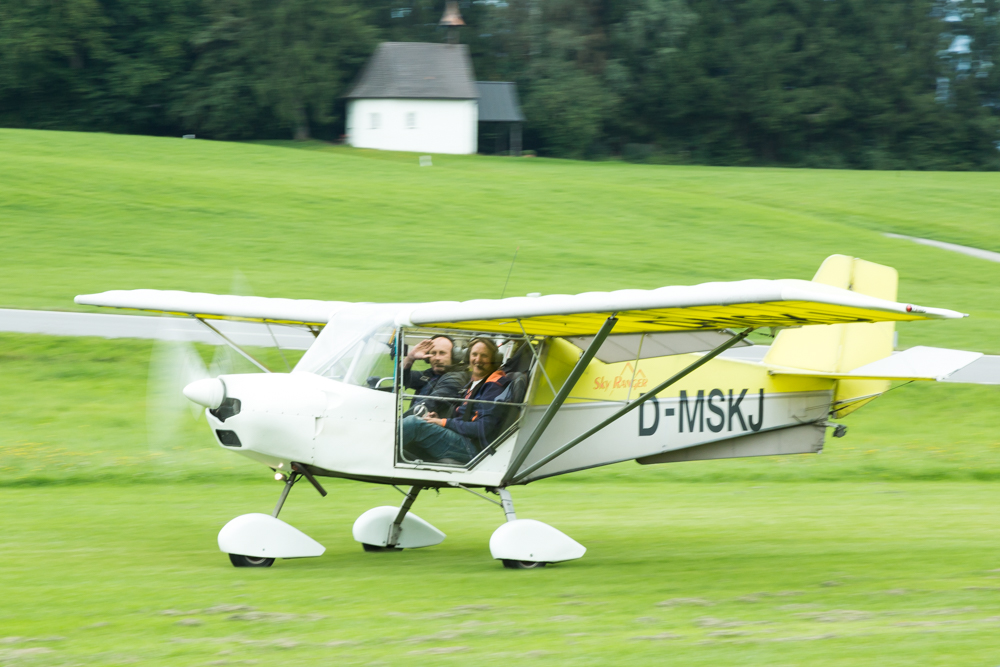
(458, 394)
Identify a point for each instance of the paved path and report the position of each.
(964, 249)
(143, 326)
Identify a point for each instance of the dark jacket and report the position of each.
(422, 381)
(450, 385)
(479, 421)
(427, 383)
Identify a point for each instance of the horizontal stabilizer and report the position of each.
(984, 370)
(918, 363)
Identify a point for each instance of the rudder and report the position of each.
(835, 348)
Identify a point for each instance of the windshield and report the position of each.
(355, 346)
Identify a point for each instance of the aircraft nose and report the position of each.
(209, 392)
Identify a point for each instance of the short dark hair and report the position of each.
(454, 347)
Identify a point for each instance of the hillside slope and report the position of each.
(85, 213)
(90, 212)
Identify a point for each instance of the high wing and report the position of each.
(709, 306)
(306, 312)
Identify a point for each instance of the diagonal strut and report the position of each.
(560, 398)
(631, 406)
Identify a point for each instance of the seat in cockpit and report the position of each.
(516, 369)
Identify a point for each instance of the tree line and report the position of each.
(894, 84)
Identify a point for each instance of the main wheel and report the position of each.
(250, 561)
(521, 564)
(375, 547)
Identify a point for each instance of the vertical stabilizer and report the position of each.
(835, 348)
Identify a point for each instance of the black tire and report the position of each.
(250, 561)
(522, 564)
(375, 547)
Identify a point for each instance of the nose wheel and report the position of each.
(250, 561)
(265, 535)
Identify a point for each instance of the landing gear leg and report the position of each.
(239, 560)
(255, 540)
(408, 501)
(289, 483)
(298, 471)
(393, 538)
(394, 529)
(507, 503)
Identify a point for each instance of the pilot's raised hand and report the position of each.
(420, 351)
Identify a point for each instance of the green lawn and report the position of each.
(108, 527)
(89, 212)
(685, 574)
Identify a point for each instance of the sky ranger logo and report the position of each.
(718, 411)
(629, 378)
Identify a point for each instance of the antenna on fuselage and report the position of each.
(509, 271)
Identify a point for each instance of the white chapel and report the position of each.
(413, 96)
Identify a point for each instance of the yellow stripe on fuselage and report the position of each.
(628, 379)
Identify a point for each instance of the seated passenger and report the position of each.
(458, 439)
(440, 380)
(450, 386)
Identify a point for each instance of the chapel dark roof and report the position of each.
(498, 102)
(417, 70)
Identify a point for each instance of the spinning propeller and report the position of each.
(175, 363)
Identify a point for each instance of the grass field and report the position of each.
(689, 574)
(900, 515)
(86, 212)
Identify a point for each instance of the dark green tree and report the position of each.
(52, 57)
(308, 52)
(846, 83)
(262, 63)
(824, 83)
(92, 64)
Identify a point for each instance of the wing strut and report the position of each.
(560, 398)
(620, 413)
(236, 347)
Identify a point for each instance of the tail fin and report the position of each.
(837, 348)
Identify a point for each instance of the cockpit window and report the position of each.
(371, 361)
(461, 394)
(355, 347)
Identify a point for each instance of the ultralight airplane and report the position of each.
(656, 376)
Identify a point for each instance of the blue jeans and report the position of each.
(430, 442)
